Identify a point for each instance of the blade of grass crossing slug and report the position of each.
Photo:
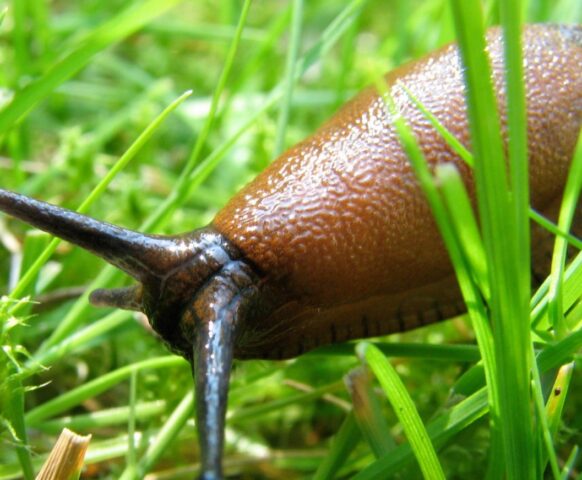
(289, 80)
(451, 140)
(445, 426)
(470, 290)
(511, 14)
(342, 445)
(125, 23)
(511, 19)
(513, 440)
(466, 156)
(552, 228)
(464, 223)
(404, 409)
(569, 204)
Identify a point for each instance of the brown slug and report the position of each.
(334, 240)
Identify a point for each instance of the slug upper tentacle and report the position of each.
(334, 240)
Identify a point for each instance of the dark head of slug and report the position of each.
(194, 289)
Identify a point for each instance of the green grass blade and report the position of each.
(464, 223)
(572, 291)
(442, 214)
(182, 185)
(451, 140)
(165, 437)
(466, 156)
(131, 457)
(570, 202)
(367, 412)
(405, 410)
(290, 75)
(513, 445)
(440, 430)
(453, 353)
(342, 445)
(13, 413)
(119, 27)
(511, 18)
(70, 322)
(552, 416)
(110, 417)
(247, 413)
(570, 464)
(88, 390)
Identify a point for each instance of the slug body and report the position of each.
(334, 240)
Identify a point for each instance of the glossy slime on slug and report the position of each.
(334, 240)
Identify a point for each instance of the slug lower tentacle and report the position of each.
(334, 240)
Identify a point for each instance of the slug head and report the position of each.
(195, 289)
(174, 270)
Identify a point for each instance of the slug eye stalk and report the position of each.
(136, 254)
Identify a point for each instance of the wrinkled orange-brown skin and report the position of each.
(339, 224)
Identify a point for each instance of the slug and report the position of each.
(334, 240)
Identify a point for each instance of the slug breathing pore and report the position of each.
(334, 240)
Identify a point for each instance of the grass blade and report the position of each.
(441, 429)
(342, 445)
(119, 27)
(405, 410)
(290, 75)
(570, 203)
(367, 412)
(500, 212)
(69, 323)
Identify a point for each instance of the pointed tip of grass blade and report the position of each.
(361, 349)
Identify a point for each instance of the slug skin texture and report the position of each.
(338, 222)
